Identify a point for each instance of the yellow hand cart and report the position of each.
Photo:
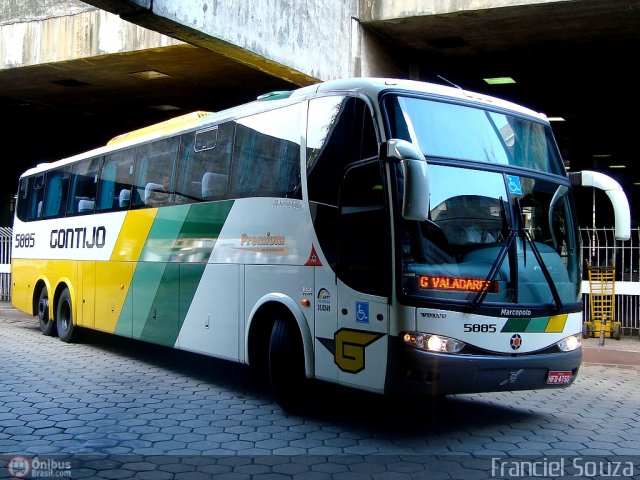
(602, 303)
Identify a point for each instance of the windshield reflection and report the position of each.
(467, 251)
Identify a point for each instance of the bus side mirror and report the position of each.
(415, 196)
(619, 201)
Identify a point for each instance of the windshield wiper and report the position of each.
(545, 271)
(527, 238)
(493, 272)
(497, 263)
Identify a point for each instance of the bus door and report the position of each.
(364, 278)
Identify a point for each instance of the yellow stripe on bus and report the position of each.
(133, 235)
(556, 323)
(113, 278)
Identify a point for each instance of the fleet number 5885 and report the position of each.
(25, 240)
(480, 327)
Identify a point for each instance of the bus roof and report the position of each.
(168, 126)
(371, 87)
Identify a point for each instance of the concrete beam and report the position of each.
(301, 42)
(32, 33)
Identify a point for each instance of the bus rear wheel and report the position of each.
(286, 365)
(64, 318)
(47, 325)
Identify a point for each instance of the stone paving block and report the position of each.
(194, 415)
(155, 475)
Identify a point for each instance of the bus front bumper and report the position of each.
(416, 372)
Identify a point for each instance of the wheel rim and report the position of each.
(43, 309)
(65, 315)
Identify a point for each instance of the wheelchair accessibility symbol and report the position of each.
(362, 312)
(514, 185)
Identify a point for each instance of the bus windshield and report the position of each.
(480, 239)
(449, 130)
(496, 236)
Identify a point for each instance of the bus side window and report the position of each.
(57, 185)
(116, 176)
(154, 173)
(340, 131)
(37, 198)
(204, 156)
(82, 187)
(22, 206)
(266, 154)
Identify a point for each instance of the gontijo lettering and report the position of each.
(80, 237)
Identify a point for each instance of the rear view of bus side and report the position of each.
(386, 235)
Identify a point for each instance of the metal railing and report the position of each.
(600, 248)
(5, 262)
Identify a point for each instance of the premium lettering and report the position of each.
(79, 237)
(263, 240)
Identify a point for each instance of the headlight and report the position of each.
(433, 343)
(571, 343)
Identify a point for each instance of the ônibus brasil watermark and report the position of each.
(562, 467)
(22, 467)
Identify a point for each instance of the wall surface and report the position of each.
(33, 32)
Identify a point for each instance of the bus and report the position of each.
(394, 236)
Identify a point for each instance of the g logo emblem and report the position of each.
(516, 341)
(349, 349)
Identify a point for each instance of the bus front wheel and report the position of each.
(47, 326)
(64, 317)
(286, 365)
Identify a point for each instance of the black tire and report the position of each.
(64, 318)
(616, 331)
(286, 366)
(47, 325)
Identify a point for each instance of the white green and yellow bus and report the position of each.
(386, 235)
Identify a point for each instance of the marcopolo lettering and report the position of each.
(516, 312)
(79, 237)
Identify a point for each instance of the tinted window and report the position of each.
(203, 169)
(57, 185)
(36, 200)
(116, 176)
(266, 154)
(340, 131)
(154, 172)
(83, 186)
(472, 133)
(22, 206)
(363, 262)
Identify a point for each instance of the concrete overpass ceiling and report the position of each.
(112, 92)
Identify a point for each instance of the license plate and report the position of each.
(559, 377)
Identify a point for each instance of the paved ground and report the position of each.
(625, 351)
(113, 408)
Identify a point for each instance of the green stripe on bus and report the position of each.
(527, 325)
(538, 325)
(515, 325)
(174, 258)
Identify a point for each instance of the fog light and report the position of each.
(568, 344)
(433, 343)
